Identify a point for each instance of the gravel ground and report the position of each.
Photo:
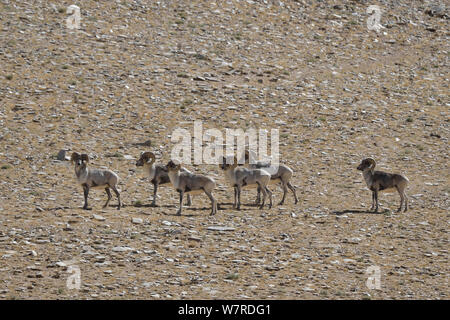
(137, 70)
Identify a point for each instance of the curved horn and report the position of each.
(149, 155)
(75, 156)
(85, 157)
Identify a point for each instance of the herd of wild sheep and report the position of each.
(252, 173)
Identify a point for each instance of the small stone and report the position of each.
(219, 228)
(61, 156)
(100, 259)
(68, 228)
(272, 268)
(122, 249)
(354, 240)
(66, 263)
(137, 220)
(349, 261)
(436, 11)
(99, 217)
(147, 143)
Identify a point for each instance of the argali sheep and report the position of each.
(94, 178)
(187, 182)
(381, 181)
(242, 177)
(280, 173)
(157, 173)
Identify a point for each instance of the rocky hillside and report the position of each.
(136, 70)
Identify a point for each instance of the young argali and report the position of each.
(381, 181)
(282, 174)
(187, 182)
(94, 178)
(241, 177)
(157, 173)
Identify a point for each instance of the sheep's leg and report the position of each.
(155, 190)
(213, 202)
(264, 192)
(406, 201)
(401, 198)
(181, 203)
(373, 200)
(376, 200)
(284, 193)
(86, 193)
(238, 189)
(235, 197)
(189, 200)
(116, 192)
(258, 196)
(290, 186)
(109, 197)
(270, 197)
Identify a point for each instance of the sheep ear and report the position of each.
(85, 157)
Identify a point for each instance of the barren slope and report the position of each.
(136, 70)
